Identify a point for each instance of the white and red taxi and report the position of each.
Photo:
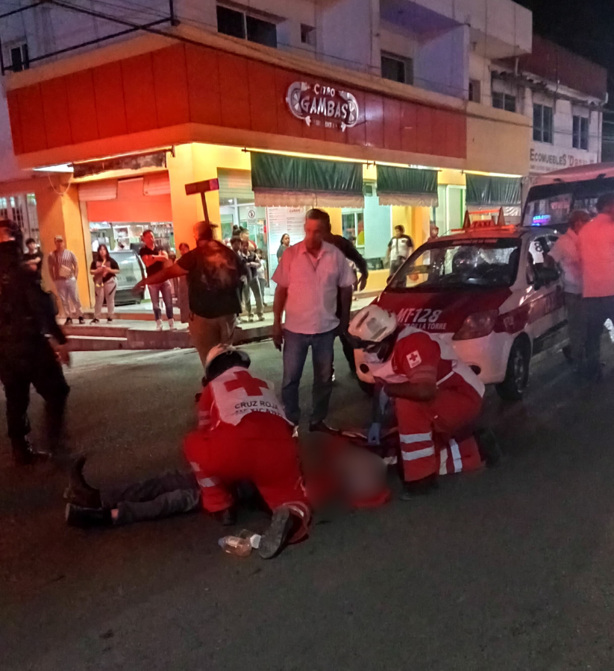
(487, 291)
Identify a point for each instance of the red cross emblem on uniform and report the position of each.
(414, 359)
(243, 380)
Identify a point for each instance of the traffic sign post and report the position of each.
(203, 188)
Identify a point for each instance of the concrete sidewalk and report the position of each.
(134, 328)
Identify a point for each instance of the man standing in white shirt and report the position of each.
(64, 271)
(596, 245)
(313, 278)
(567, 254)
(400, 248)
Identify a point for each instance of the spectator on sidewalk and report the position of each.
(262, 274)
(313, 278)
(400, 248)
(34, 258)
(596, 245)
(64, 271)
(214, 289)
(252, 286)
(284, 243)
(155, 259)
(104, 270)
(565, 252)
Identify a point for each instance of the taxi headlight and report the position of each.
(477, 325)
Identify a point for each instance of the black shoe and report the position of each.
(81, 320)
(226, 517)
(488, 447)
(95, 321)
(79, 492)
(323, 427)
(25, 455)
(276, 537)
(68, 322)
(87, 518)
(109, 321)
(419, 488)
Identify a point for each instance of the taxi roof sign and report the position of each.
(491, 222)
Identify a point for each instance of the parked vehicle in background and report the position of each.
(555, 195)
(488, 292)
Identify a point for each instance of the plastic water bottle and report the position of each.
(238, 545)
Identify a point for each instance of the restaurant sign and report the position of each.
(321, 105)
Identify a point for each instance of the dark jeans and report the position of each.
(37, 366)
(172, 493)
(348, 352)
(254, 286)
(296, 346)
(597, 310)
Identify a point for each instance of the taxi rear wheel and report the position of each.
(517, 375)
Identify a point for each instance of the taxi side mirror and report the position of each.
(544, 276)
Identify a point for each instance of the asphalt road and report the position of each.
(510, 569)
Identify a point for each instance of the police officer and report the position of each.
(32, 349)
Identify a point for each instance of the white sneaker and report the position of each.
(171, 324)
(158, 324)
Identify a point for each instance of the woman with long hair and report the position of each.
(284, 243)
(104, 269)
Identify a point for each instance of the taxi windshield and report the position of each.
(461, 264)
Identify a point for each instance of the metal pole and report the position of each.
(173, 16)
(203, 195)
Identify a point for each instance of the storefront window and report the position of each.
(22, 210)
(118, 236)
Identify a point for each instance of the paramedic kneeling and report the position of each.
(437, 399)
(244, 435)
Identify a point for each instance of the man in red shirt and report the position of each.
(243, 434)
(437, 398)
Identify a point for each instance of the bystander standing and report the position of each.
(252, 286)
(399, 248)
(64, 271)
(104, 270)
(596, 245)
(214, 289)
(33, 258)
(284, 243)
(565, 252)
(312, 277)
(155, 258)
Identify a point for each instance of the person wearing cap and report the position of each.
(64, 271)
(214, 289)
(32, 349)
(437, 398)
(244, 434)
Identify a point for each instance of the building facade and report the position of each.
(363, 107)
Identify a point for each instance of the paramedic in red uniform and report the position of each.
(244, 435)
(437, 398)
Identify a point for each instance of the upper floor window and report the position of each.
(237, 23)
(504, 101)
(308, 35)
(18, 57)
(580, 132)
(543, 123)
(397, 68)
(475, 90)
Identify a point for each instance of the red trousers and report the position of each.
(437, 437)
(260, 449)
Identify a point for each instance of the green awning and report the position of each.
(406, 186)
(497, 191)
(291, 181)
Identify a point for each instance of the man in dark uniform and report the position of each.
(346, 247)
(32, 348)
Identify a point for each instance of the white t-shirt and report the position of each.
(400, 247)
(567, 254)
(312, 284)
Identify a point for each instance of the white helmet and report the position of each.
(373, 324)
(241, 358)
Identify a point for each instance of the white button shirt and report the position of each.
(566, 252)
(312, 284)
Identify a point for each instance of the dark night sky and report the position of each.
(584, 26)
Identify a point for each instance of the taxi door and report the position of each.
(546, 298)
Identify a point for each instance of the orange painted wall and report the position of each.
(187, 83)
(131, 205)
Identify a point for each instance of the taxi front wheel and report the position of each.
(517, 374)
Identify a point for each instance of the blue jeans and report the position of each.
(167, 296)
(295, 350)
